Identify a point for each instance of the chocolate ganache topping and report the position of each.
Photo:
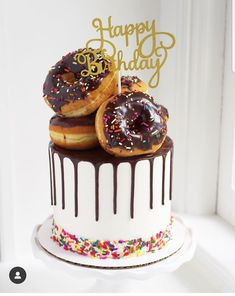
(64, 82)
(134, 121)
(162, 111)
(97, 157)
(128, 81)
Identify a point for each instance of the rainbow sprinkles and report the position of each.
(111, 249)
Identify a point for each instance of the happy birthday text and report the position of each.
(150, 49)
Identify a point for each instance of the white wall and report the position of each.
(35, 34)
(204, 91)
(226, 192)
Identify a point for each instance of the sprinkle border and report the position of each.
(111, 249)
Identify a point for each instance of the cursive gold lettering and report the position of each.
(151, 50)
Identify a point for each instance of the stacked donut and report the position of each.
(90, 112)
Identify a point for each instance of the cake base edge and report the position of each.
(179, 233)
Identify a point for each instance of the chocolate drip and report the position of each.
(53, 170)
(133, 165)
(49, 153)
(115, 189)
(76, 188)
(171, 173)
(151, 182)
(62, 181)
(97, 169)
(163, 178)
(97, 157)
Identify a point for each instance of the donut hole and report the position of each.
(69, 78)
(140, 123)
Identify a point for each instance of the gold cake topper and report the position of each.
(151, 50)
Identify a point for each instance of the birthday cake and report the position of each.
(111, 161)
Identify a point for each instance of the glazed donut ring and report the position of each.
(76, 133)
(69, 93)
(133, 83)
(130, 124)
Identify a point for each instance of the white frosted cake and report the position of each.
(111, 162)
(106, 207)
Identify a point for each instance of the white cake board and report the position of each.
(179, 250)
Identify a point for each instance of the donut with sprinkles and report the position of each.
(131, 124)
(133, 83)
(70, 93)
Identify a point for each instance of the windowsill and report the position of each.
(212, 268)
(215, 252)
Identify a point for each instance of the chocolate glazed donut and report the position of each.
(71, 94)
(131, 124)
(133, 83)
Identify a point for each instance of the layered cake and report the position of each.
(111, 161)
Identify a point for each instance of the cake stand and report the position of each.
(178, 251)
